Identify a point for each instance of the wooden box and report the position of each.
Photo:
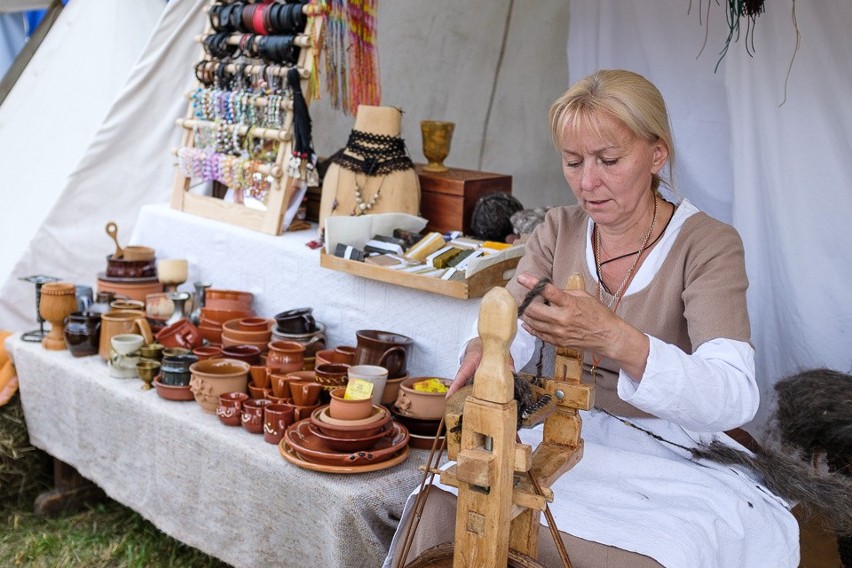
(447, 199)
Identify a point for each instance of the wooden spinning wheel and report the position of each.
(503, 485)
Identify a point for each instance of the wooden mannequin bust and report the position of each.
(349, 189)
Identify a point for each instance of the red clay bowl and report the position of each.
(170, 392)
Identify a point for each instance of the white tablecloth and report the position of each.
(283, 273)
(214, 487)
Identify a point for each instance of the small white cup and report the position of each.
(374, 374)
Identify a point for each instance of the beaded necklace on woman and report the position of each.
(379, 156)
(616, 298)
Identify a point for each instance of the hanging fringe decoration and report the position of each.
(316, 12)
(351, 54)
(302, 163)
(738, 9)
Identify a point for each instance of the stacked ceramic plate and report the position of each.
(322, 443)
(133, 279)
(252, 331)
(221, 306)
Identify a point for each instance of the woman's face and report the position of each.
(610, 170)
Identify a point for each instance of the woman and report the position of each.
(664, 328)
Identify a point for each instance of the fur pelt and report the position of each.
(794, 479)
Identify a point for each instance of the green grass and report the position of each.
(104, 535)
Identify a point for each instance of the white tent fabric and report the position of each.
(51, 114)
(128, 163)
(779, 174)
(12, 38)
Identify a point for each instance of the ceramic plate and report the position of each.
(116, 280)
(289, 454)
(310, 447)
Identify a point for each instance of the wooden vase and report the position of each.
(58, 300)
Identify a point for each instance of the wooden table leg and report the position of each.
(71, 491)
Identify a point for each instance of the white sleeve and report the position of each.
(521, 350)
(714, 389)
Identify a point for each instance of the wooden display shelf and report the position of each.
(474, 287)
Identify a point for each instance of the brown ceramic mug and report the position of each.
(253, 414)
(384, 349)
(305, 393)
(182, 333)
(331, 375)
(117, 322)
(276, 419)
(296, 321)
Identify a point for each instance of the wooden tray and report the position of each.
(474, 287)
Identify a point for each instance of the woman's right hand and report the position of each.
(470, 362)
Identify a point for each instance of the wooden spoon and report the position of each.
(112, 231)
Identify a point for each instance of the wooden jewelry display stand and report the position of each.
(282, 184)
(503, 486)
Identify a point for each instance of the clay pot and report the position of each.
(181, 333)
(334, 357)
(331, 375)
(82, 333)
(296, 322)
(175, 369)
(258, 392)
(252, 417)
(58, 300)
(385, 349)
(215, 377)
(350, 429)
(258, 330)
(248, 353)
(417, 404)
(254, 325)
(207, 352)
(116, 322)
(285, 356)
(280, 385)
(126, 304)
(172, 392)
(260, 376)
(216, 299)
(349, 444)
(211, 316)
(276, 419)
(312, 342)
(342, 408)
(392, 390)
(228, 341)
(305, 393)
(131, 268)
(139, 253)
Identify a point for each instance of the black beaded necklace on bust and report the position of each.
(379, 155)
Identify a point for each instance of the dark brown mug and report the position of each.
(385, 349)
(298, 321)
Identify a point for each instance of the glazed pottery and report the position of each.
(436, 136)
(173, 392)
(207, 352)
(217, 299)
(127, 268)
(346, 351)
(260, 376)
(276, 419)
(258, 392)
(211, 315)
(296, 322)
(385, 349)
(305, 393)
(175, 369)
(133, 288)
(138, 253)
(373, 374)
(82, 333)
(341, 408)
(330, 375)
(303, 412)
(58, 300)
(418, 404)
(214, 377)
(230, 408)
(312, 342)
(279, 383)
(349, 429)
(254, 324)
(301, 438)
(180, 334)
(260, 331)
(116, 322)
(147, 370)
(332, 356)
(124, 354)
(392, 390)
(285, 356)
(210, 333)
(248, 353)
(173, 351)
(126, 304)
(252, 417)
(350, 444)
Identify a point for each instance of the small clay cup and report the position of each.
(342, 408)
(252, 417)
(333, 357)
(305, 393)
(230, 408)
(260, 376)
(332, 375)
(276, 419)
(182, 333)
(280, 385)
(258, 392)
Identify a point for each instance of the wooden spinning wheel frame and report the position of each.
(503, 485)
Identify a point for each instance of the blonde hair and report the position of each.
(627, 96)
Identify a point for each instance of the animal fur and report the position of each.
(829, 494)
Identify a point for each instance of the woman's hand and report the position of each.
(577, 320)
(470, 362)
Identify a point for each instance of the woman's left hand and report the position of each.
(577, 320)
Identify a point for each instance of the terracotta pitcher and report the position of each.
(116, 322)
